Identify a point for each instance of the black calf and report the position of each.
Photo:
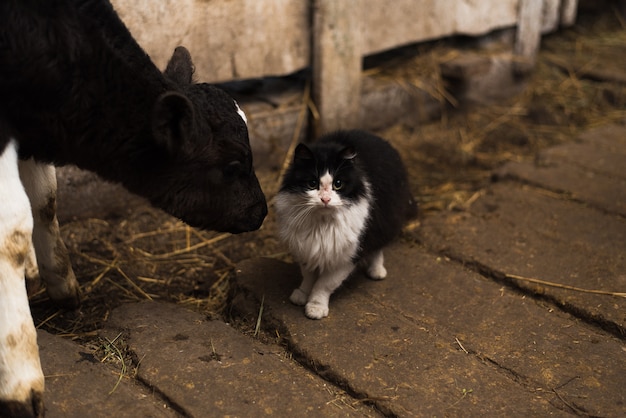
(75, 88)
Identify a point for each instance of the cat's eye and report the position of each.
(312, 184)
(337, 184)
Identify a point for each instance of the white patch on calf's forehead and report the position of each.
(242, 114)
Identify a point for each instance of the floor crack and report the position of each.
(325, 372)
(557, 193)
(503, 278)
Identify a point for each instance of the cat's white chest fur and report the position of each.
(320, 229)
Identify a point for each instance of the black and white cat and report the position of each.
(342, 200)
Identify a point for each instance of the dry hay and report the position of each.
(146, 256)
(149, 255)
(578, 83)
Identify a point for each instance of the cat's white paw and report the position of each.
(377, 272)
(316, 310)
(298, 297)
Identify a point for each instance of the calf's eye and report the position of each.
(232, 169)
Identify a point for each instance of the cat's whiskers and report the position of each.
(298, 213)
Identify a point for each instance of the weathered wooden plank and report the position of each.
(391, 24)
(569, 10)
(337, 64)
(551, 15)
(236, 39)
(594, 188)
(522, 231)
(228, 39)
(528, 34)
(395, 340)
(78, 385)
(398, 353)
(591, 170)
(210, 369)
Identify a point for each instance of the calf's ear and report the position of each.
(172, 120)
(180, 68)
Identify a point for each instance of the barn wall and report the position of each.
(228, 39)
(239, 39)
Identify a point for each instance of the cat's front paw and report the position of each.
(315, 310)
(298, 297)
(377, 272)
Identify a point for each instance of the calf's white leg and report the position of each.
(31, 272)
(21, 378)
(39, 181)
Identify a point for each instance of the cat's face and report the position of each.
(325, 176)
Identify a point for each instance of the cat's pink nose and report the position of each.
(325, 199)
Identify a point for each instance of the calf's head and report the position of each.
(204, 173)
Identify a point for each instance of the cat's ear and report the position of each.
(348, 153)
(302, 152)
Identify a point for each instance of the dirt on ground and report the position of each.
(147, 254)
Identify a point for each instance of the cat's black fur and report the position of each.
(392, 203)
